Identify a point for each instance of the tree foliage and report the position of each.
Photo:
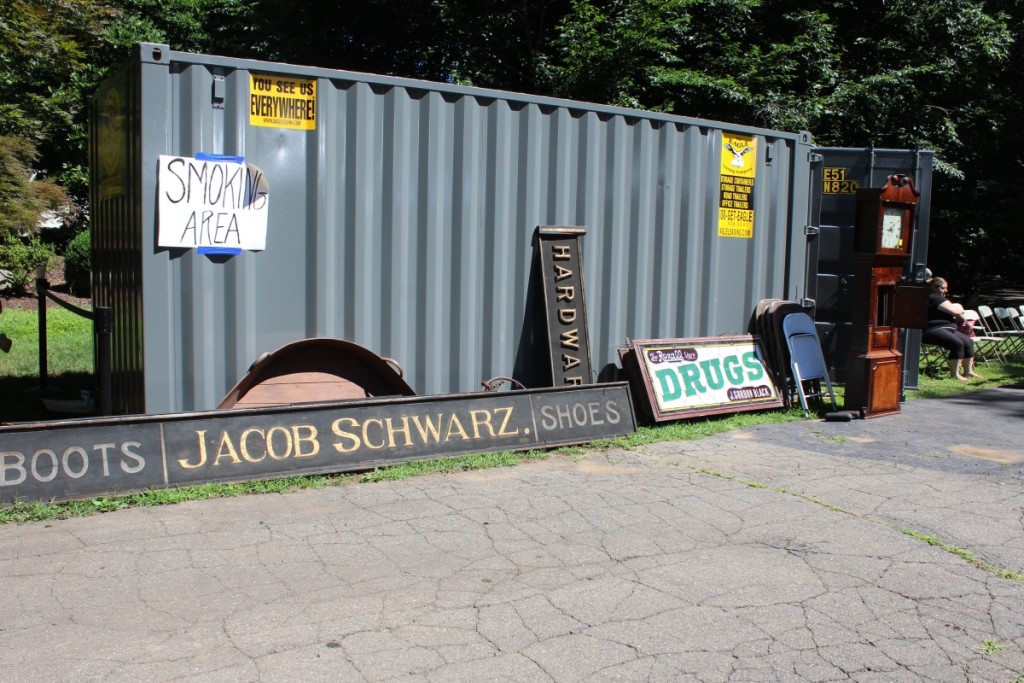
(480, 42)
(933, 74)
(23, 199)
(19, 210)
(44, 50)
(21, 257)
(78, 264)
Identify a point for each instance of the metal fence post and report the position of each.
(103, 323)
(41, 286)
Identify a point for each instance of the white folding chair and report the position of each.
(1009, 341)
(1006, 320)
(1016, 319)
(806, 361)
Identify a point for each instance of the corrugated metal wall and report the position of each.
(404, 222)
(115, 228)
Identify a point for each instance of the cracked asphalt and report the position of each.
(889, 549)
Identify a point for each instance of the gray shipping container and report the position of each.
(402, 220)
(830, 273)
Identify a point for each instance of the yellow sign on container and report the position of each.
(735, 203)
(280, 102)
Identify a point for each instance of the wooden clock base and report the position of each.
(873, 382)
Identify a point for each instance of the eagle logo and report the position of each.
(738, 154)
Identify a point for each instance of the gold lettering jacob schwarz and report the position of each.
(119, 455)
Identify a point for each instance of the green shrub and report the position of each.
(21, 258)
(78, 264)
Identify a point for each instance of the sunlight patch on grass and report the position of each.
(68, 343)
(992, 375)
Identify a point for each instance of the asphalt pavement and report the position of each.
(889, 549)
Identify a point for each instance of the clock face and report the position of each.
(892, 228)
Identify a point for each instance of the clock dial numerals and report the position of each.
(892, 228)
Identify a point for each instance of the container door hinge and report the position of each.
(218, 92)
(814, 158)
(811, 230)
(808, 303)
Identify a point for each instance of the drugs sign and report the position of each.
(674, 379)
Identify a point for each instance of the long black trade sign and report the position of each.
(57, 461)
(565, 306)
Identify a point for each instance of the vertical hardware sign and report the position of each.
(735, 203)
(560, 254)
(280, 102)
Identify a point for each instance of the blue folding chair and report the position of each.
(806, 361)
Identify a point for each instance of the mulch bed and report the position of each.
(30, 301)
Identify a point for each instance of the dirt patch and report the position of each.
(1003, 457)
(605, 467)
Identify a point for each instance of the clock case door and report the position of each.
(883, 302)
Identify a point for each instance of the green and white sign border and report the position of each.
(685, 378)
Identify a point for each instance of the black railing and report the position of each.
(102, 318)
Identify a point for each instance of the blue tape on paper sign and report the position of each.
(219, 251)
(206, 156)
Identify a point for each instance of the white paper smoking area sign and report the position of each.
(211, 202)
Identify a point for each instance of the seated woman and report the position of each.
(944, 318)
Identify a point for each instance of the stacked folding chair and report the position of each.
(793, 351)
(806, 361)
(768, 326)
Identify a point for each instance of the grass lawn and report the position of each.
(69, 361)
(993, 375)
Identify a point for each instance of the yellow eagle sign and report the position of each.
(735, 197)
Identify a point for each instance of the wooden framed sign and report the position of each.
(676, 379)
(50, 461)
(561, 266)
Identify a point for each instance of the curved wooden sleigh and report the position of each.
(316, 370)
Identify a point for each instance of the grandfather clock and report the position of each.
(883, 227)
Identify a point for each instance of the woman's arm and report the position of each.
(953, 309)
